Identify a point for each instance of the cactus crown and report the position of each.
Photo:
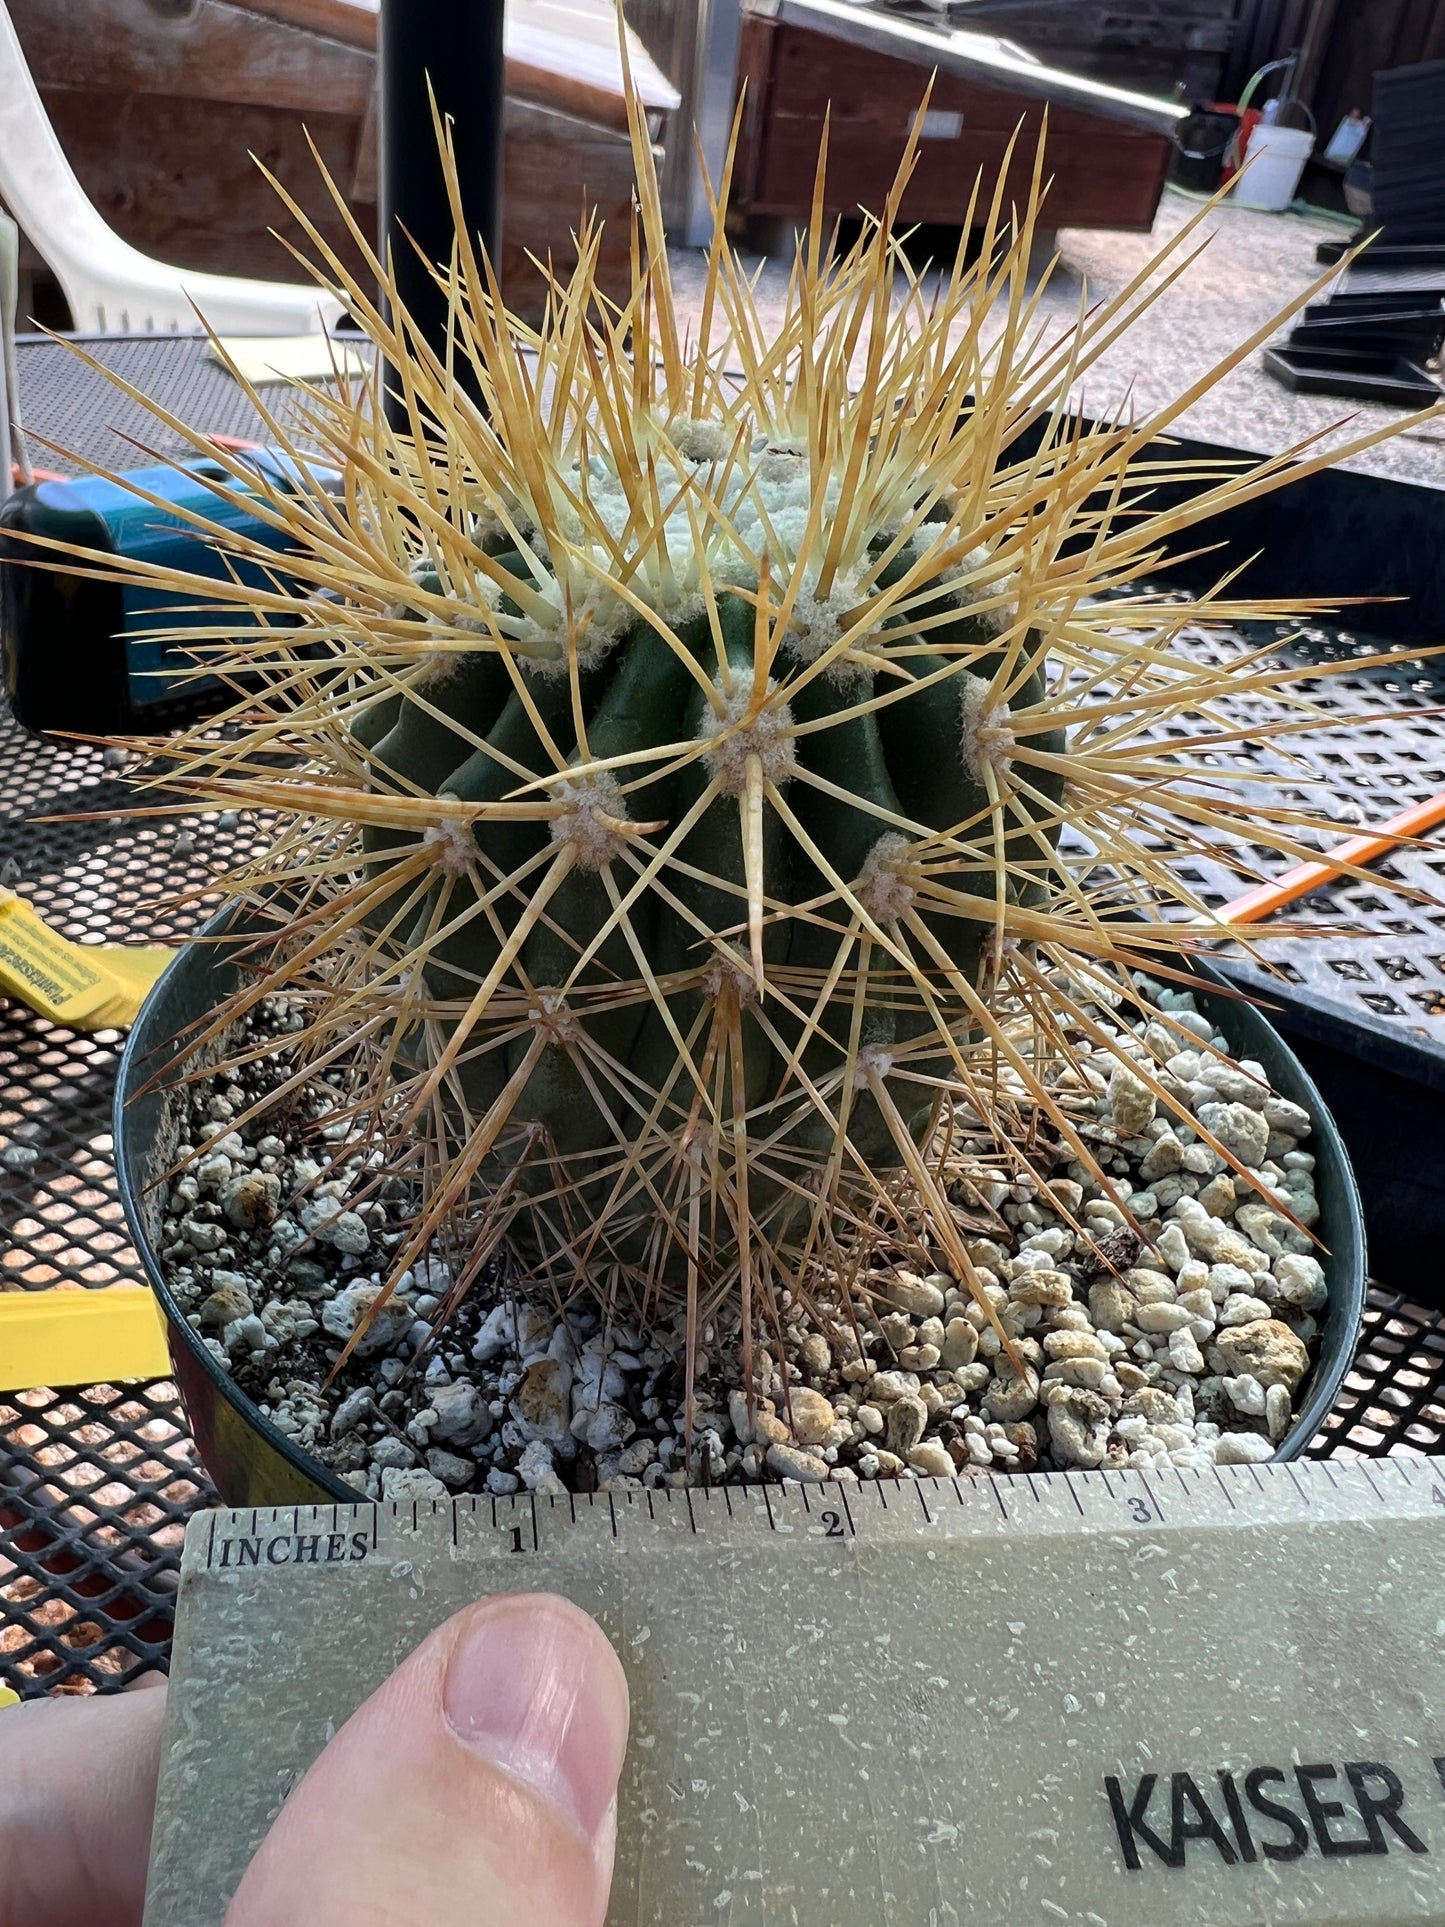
(674, 748)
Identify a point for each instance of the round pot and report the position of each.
(254, 1464)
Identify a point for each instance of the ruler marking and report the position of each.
(1138, 1488)
(1147, 1485)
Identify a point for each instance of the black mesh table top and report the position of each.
(96, 1483)
(79, 412)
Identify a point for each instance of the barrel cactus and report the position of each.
(713, 754)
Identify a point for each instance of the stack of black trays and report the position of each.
(1372, 338)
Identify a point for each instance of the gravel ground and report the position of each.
(1180, 1338)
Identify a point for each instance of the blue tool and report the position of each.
(91, 657)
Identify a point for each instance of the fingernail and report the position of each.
(533, 1686)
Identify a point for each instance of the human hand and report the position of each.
(476, 1788)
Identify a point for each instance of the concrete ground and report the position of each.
(1254, 264)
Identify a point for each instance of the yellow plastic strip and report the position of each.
(83, 986)
(7, 1698)
(80, 1337)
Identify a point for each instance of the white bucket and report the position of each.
(1275, 159)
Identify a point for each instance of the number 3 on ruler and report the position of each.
(1139, 1509)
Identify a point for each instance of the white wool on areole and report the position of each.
(735, 734)
(971, 583)
(453, 847)
(595, 807)
(817, 623)
(986, 735)
(882, 888)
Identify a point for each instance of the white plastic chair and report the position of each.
(12, 447)
(110, 286)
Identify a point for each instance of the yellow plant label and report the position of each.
(83, 986)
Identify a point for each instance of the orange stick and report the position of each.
(1269, 897)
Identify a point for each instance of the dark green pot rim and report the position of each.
(277, 1466)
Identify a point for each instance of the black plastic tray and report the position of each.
(1415, 333)
(1368, 301)
(1409, 255)
(1358, 376)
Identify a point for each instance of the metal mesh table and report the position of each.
(95, 1484)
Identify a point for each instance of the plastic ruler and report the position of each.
(1114, 1699)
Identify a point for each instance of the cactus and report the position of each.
(681, 744)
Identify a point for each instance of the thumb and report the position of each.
(477, 1786)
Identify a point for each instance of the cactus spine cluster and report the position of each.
(674, 757)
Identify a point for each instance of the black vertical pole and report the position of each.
(456, 47)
